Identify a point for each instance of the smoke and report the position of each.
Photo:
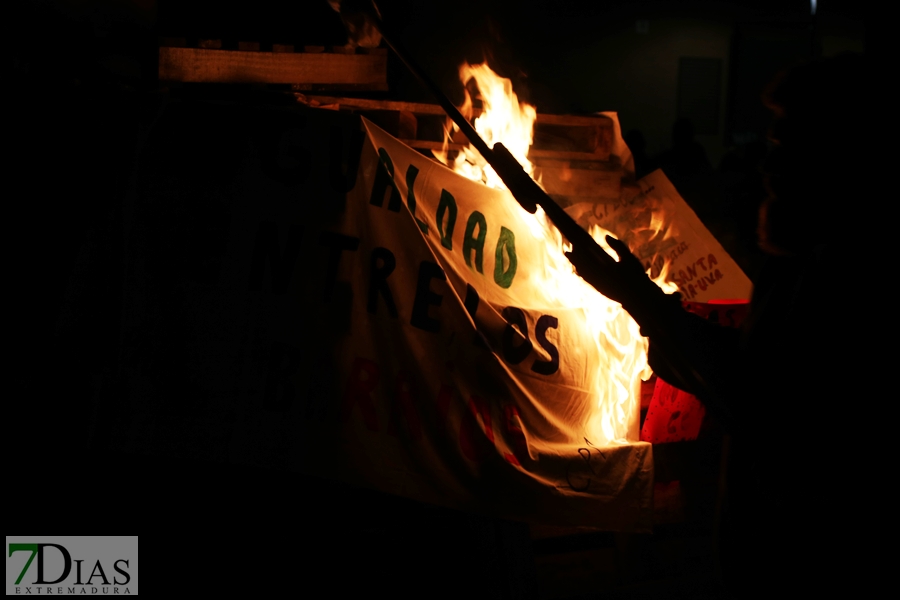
(357, 16)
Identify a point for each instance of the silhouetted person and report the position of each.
(789, 382)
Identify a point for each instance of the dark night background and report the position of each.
(84, 97)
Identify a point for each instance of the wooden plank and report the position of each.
(533, 153)
(434, 109)
(366, 104)
(557, 137)
(563, 137)
(225, 66)
(416, 108)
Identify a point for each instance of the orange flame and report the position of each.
(621, 349)
(503, 120)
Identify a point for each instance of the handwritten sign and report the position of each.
(658, 224)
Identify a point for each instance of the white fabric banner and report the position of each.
(456, 379)
(310, 294)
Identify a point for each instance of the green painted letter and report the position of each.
(504, 276)
(447, 202)
(471, 242)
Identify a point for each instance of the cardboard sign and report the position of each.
(661, 229)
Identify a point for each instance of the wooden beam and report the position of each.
(532, 153)
(418, 108)
(415, 108)
(361, 71)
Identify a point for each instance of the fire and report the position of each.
(503, 120)
(621, 349)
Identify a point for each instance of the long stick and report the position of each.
(529, 194)
(523, 188)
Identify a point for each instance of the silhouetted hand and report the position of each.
(624, 281)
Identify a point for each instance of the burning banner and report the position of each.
(356, 311)
(476, 369)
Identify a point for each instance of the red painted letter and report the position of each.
(473, 445)
(514, 435)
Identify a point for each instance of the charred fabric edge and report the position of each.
(530, 195)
